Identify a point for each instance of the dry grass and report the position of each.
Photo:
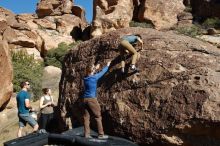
(9, 126)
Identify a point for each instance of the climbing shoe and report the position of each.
(134, 68)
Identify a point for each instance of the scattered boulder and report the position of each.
(6, 87)
(8, 16)
(23, 41)
(110, 15)
(213, 39)
(51, 79)
(25, 17)
(28, 19)
(173, 100)
(9, 34)
(44, 8)
(212, 31)
(185, 19)
(184, 16)
(67, 22)
(45, 24)
(54, 7)
(162, 14)
(51, 39)
(20, 26)
(79, 12)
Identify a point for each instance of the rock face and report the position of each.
(6, 87)
(206, 8)
(173, 100)
(110, 15)
(161, 13)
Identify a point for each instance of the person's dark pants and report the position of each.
(45, 121)
(91, 105)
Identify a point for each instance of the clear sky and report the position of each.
(29, 6)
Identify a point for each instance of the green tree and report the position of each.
(211, 22)
(26, 68)
(55, 56)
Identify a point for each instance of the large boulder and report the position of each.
(213, 39)
(206, 8)
(45, 23)
(67, 23)
(51, 79)
(6, 87)
(52, 38)
(110, 15)
(53, 7)
(80, 12)
(173, 100)
(161, 13)
(8, 16)
(185, 19)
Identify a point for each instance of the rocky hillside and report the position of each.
(173, 100)
(55, 21)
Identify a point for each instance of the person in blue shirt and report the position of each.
(126, 46)
(23, 105)
(89, 99)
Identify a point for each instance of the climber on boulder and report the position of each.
(89, 100)
(126, 46)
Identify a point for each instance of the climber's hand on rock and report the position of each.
(108, 63)
(97, 66)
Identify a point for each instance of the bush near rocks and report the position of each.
(211, 23)
(54, 57)
(26, 68)
(191, 31)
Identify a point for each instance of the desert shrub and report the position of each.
(141, 24)
(191, 31)
(26, 68)
(54, 57)
(211, 22)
